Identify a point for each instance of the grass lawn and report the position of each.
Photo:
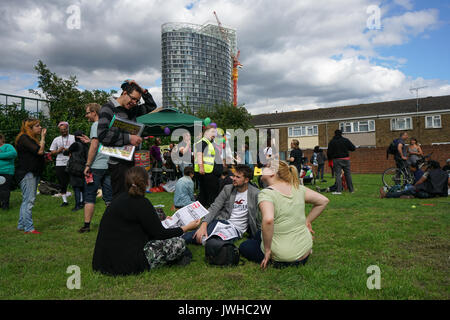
(411, 247)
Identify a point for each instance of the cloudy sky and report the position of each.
(296, 54)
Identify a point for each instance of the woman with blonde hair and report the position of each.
(285, 230)
(30, 143)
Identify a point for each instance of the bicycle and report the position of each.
(401, 177)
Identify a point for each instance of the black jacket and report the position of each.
(339, 147)
(126, 226)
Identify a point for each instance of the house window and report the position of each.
(401, 124)
(303, 131)
(433, 121)
(357, 126)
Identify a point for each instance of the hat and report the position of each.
(62, 123)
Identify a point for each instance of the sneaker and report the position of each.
(323, 180)
(33, 232)
(84, 229)
(317, 188)
(77, 208)
(328, 189)
(336, 192)
(64, 204)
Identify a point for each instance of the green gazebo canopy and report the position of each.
(156, 121)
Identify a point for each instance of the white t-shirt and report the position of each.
(65, 142)
(239, 214)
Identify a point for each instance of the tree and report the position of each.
(66, 103)
(227, 116)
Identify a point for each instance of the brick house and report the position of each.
(370, 126)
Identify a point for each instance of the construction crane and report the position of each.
(234, 57)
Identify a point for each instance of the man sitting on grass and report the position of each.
(236, 204)
(433, 183)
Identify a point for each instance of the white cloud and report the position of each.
(296, 54)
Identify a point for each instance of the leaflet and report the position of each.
(225, 231)
(125, 152)
(183, 216)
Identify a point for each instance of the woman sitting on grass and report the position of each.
(286, 232)
(131, 238)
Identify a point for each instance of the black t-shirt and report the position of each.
(126, 226)
(297, 154)
(28, 159)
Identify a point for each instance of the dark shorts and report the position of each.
(103, 179)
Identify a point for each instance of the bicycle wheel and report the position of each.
(392, 177)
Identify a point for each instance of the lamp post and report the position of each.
(417, 108)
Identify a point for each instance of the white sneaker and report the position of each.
(336, 192)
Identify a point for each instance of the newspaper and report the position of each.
(125, 152)
(185, 215)
(225, 231)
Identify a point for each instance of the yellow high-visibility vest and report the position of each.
(208, 159)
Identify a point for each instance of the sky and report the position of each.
(296, 55)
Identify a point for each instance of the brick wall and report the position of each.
(373, 160)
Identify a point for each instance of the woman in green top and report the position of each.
(286, 231)
(7, 156)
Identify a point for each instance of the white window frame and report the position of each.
(393, 124)
(433, 118)
(355, 126)
(302, 131)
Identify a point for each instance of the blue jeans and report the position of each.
(339, 165)
(101, 178)
(251, 248)
(209, 229)
(28, 185)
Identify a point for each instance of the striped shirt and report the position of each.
(114, 136)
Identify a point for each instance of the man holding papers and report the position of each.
(236, 205)
(125, 107)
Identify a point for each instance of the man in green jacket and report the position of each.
(7, 156)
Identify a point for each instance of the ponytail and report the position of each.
(136, 181)
(287, 173)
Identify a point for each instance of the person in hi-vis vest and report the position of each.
(208, 166)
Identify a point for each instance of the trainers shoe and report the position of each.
(84, 229)
(33, 232)
(317, 188)
(77, 208)
(64, 204)
(336, 192)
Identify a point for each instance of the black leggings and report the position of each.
(63, 178)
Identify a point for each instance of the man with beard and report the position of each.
(60, 145)
(237, 204)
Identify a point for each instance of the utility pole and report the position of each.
(417, 108)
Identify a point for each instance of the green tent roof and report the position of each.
(172, 118)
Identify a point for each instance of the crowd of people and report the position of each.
(271, 217)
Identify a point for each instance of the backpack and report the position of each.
(76, 163)
(220, 252)
(392, 148)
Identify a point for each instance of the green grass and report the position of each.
(411, 247)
